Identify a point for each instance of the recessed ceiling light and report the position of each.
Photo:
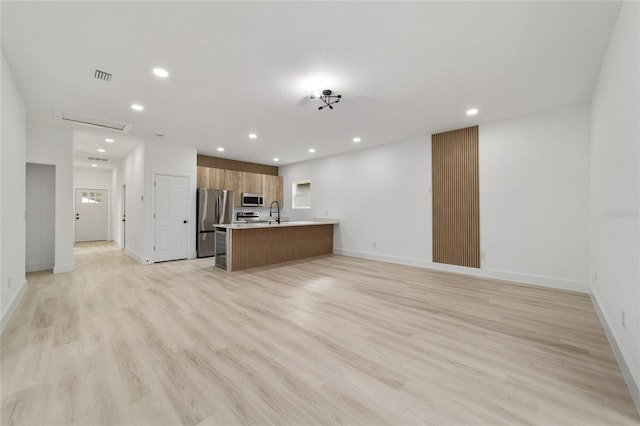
(221, 149)
(94, 165)
(276, 159)
(252, 136)
(161, 72)
(311, 150)
(137, 107)
(102, 150)
(356, 139)
(109, 140)
(472, 111)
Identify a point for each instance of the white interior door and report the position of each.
(124, 215)
(171, 213)
(91, 214)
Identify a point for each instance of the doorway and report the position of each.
(40, 228)
(92, 206)
(171, 214)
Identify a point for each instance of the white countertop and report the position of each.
(322, 221)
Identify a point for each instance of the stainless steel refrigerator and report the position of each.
(215, 206)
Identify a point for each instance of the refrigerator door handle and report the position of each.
(202, 207)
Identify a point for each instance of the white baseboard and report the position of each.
(632, 384)
(61, 269)
(35, 267)
(536, 280)
(116, 243)
(135, 255)
(7, 315)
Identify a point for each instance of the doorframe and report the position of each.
(75, 190)
(190, 237)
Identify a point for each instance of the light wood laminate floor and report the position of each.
(330, 340)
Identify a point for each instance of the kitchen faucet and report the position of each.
(271, 210)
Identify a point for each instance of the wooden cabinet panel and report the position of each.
(251, 182)
(203, 177)
(232, 180)
(266, 246)
(269, 186)
(216, 179)
(272, 189)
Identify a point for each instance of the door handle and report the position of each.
(185, 221)
(77, 216)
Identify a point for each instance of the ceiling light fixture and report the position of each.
(109, 140)
(472, 111)
(161, 72)
(252, 136)
(328, 98)
(220, 149)
(137, 107)
(94, 165)
(356, 139)
(276, 159)
(102, 150)
(311, 150)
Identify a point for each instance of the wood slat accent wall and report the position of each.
(266, 246)
(241, 166)
(455, 190)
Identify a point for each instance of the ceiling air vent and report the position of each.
(97, 159)
(91, 121)
(102, 75)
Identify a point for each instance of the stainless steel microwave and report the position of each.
(252, 200)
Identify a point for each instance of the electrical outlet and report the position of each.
(595, 276)
(483, 255)
(326, 212)
(374, 244)
(624, 320)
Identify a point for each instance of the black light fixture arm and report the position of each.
(328, 98)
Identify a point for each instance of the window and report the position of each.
(91, 197)
(301, 195)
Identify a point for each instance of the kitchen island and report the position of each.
(249, 245)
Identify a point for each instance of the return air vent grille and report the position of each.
(97, 159)
(102, 75)
(91, 121)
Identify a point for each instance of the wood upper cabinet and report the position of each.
(251, 182)
(203, 177)
(216, 179)
(272, 189)
(268, 185)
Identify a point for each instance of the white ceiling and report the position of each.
(404, 69)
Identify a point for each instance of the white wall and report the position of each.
(615, 189)
(40, 217)
(12, 197)
(169, 159)
(84, 177)
(137, 171)
(54, 146)
(534, 196)
(129, 172)
(382, 195)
